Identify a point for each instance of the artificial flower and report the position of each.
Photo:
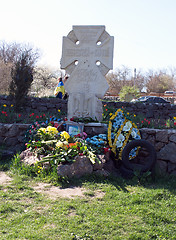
(65, 135)
(52, 130)
(59, 144)
(127, 126)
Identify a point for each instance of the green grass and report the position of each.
(127, 210)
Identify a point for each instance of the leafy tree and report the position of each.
(127, 93)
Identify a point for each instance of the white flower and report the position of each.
(127, 126)
(120, 140)
(133, 134)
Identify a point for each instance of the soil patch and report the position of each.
(56, 192)
(4, 178)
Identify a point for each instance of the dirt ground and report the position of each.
(52, 191)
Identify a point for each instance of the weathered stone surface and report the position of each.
(92, 48)
(12, 131)
(172, 138)
(95, 130)
(99, 166)
(28, 157)
(168, 153)
(159, 145)
(161, 167)
(12, 141)
(161, 136)
(171, 167)
(80, 167)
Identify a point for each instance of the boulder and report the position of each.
(167, 153)
(28, 157)
(81, 166)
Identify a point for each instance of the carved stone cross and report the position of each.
(87, 56)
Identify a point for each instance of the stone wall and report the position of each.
(12, 138)
(38, 104)
(148, 110)
(164, 142)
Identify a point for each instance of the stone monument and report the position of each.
(87, 56)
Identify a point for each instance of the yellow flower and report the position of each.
(127, 113)
(59, 144)
(4, 105)
(38, 171)
(65, 143)
(110, 114)
(134, 115)
(58, 110)
(42, 130)
(52, 130)
(65, 135)
(174, 118)
(11, 105)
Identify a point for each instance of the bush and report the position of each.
(22, 77)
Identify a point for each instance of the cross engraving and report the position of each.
(87, 56)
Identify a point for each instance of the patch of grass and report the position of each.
(127, 210)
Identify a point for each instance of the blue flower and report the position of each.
(103, 136)
(137, 137)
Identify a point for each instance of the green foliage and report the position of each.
(22, 77)
(128, 92)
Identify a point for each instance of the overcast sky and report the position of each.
(144, 30)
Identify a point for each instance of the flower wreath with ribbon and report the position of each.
(121, 131)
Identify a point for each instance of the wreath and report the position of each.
(121, 131)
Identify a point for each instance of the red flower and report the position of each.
(106, 109)
(40, 116)
(65, 119)
(19, 115)
(44, 115)
(142, 121)
(148, 122)
(37, 116)
(81, 154)
(72, 119)
(32, 114)
(106, 150)
(175, 123)
(35, 146)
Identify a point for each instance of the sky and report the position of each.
(144, 30)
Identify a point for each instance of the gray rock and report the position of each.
(171, 167)
(168, 153)
(159, 145)
(161, 166)
(82, 166)
(28, 157)
(172, 138)
(161, 136)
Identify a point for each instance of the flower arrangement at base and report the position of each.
(58, 147)
(121, 131)
(99, 143)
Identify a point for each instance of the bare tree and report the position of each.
(159, 81)
(45, 80)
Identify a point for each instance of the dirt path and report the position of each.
(4, 178)
(52, 191)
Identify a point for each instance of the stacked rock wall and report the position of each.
(12, 138)
(38, 104)
(148, 110)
